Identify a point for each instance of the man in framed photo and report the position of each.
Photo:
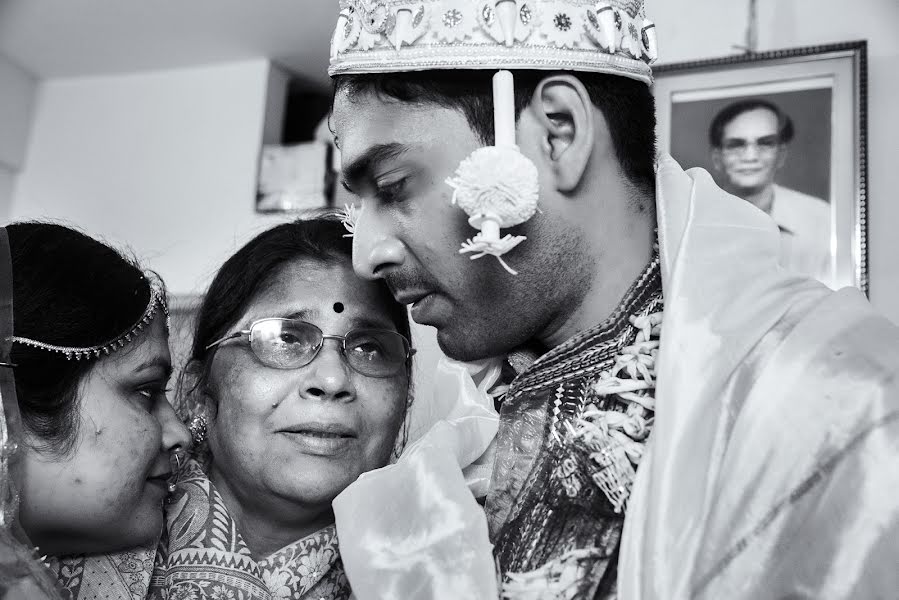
(749, 140)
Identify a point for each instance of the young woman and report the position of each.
(302, 384)
(90, 357)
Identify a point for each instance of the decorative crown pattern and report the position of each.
(384, 36)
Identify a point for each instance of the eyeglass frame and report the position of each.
(747, 143)
(410, 351)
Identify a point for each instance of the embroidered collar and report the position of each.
(582, 355)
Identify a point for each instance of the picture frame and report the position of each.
(295, 178)
(811, 174)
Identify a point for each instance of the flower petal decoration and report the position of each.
(497, 186)
(348, 217)
(455, 20)
(497, 183)
(631, 39)
(563, 27)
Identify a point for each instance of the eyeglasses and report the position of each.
(766, 144)
(291, 344)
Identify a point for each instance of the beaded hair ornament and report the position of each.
(156, 303)
(496, 186)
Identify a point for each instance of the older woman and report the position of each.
(91, 363)
(302, 385)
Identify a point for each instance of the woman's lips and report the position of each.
(320, 444)
(160, 481)
(321, 439)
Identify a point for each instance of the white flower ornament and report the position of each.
(631, 37)
(348, 217)
(563, 28)
(496, 186)
(618, 438)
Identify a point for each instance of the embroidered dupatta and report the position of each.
(124, 575)
(21, 573)
(203, 555)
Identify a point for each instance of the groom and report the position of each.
(730, 500)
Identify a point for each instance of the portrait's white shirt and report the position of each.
(804, 221)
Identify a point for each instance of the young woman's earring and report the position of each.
(177, 461)
(198, 430)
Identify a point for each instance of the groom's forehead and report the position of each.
(364, 121)
(377, 111)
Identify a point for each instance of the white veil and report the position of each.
(22, 576)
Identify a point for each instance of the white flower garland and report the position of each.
(617, 440)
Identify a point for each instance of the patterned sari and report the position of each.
(203, 556)
(123, 575)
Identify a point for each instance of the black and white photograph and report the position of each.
(449, 300)
(785, 139)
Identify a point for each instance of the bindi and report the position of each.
(338, 307)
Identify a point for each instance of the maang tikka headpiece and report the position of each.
(496, 186)
(155, 304)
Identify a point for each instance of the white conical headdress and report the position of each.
(391, 36)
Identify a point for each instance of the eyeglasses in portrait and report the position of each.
(785, 131)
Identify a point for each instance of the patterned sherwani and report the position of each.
(546, 511)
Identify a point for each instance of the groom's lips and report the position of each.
(411, 297)
(421, 305)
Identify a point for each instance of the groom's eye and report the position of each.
(392, 193)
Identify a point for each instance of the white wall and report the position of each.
(699, 29)
(164, 162)
(275, 104)
(19, 90)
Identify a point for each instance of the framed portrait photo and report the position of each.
(786, 131)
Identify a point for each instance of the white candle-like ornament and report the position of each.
(504, 109)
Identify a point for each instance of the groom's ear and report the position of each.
(567, 125)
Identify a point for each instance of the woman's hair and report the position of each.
(68, 290)
(320, 238)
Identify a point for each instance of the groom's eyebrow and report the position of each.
(362, 168)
